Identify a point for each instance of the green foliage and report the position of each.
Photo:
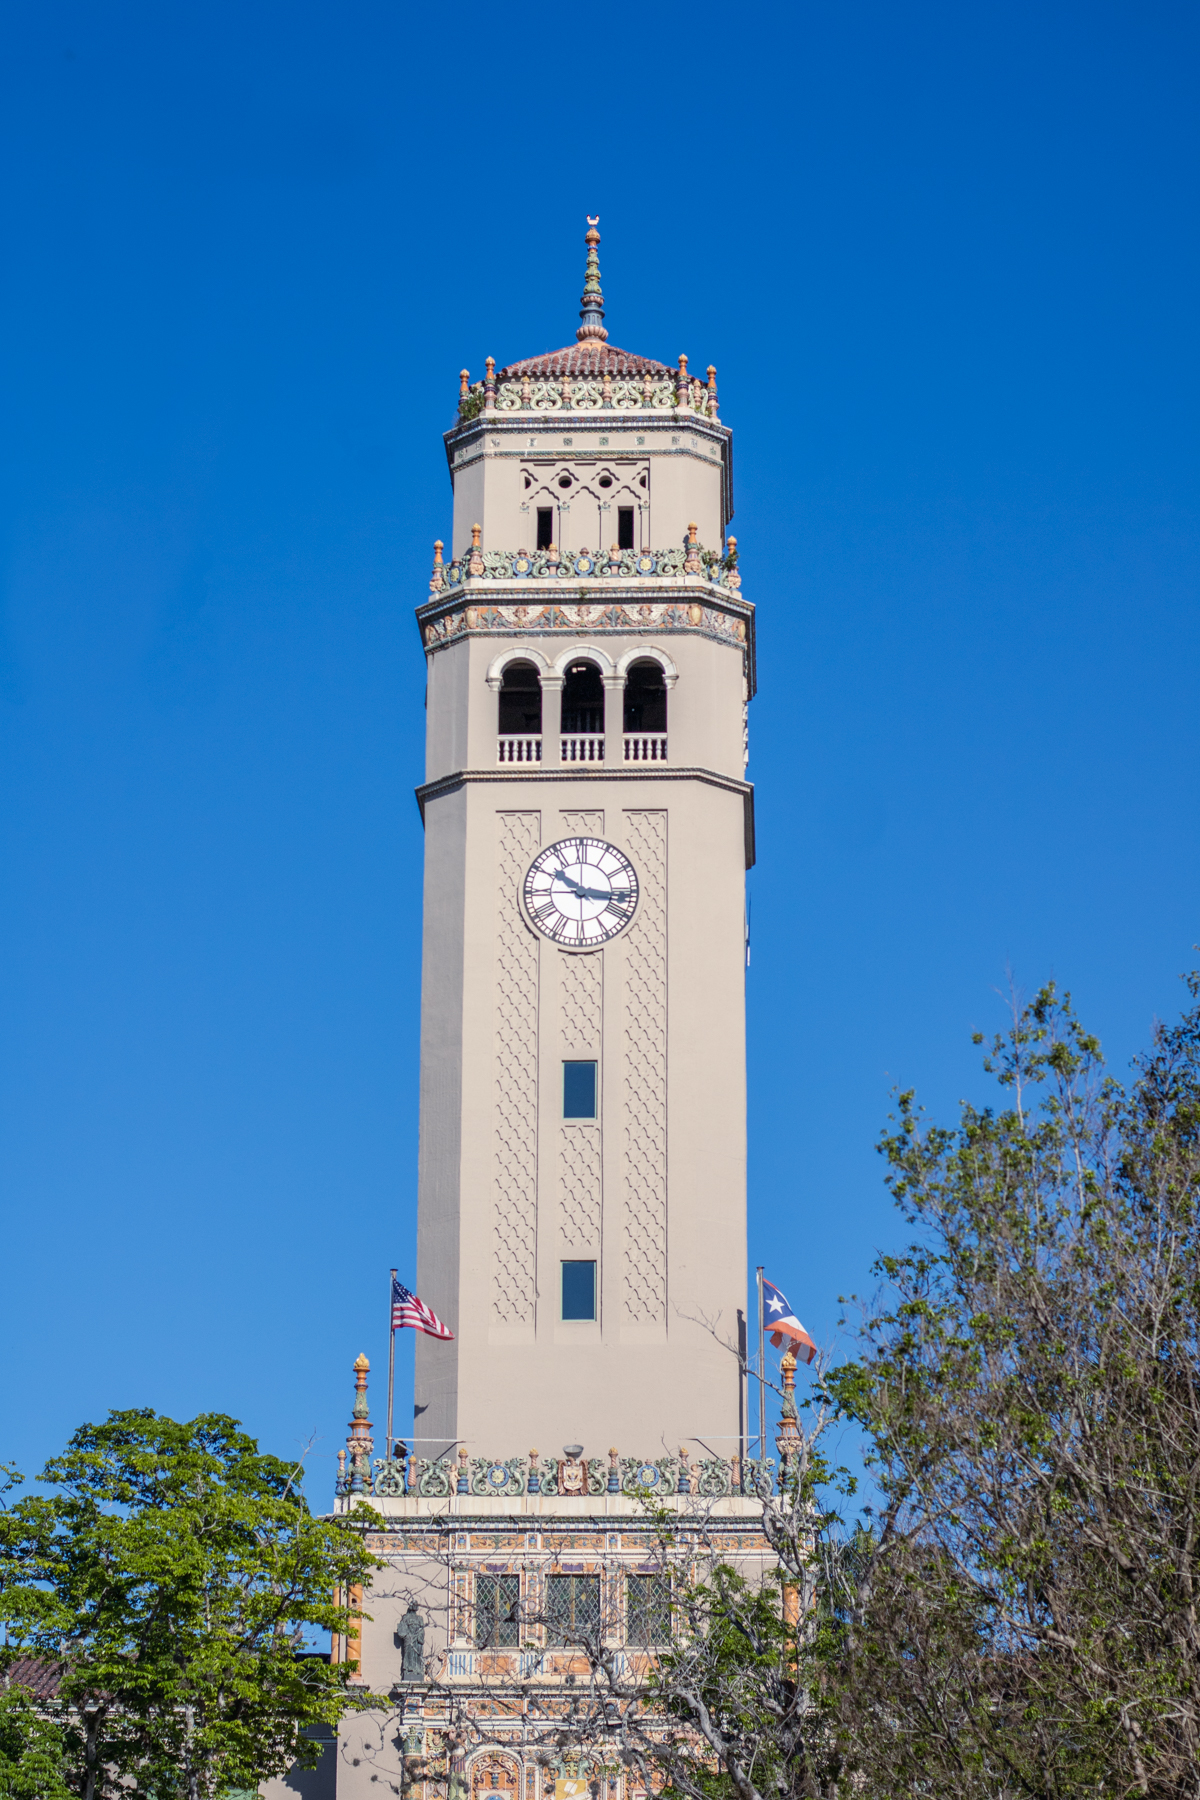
(32, 1753)
(472, 406)
(731, 1674)
(173, 1569)
(1020, 1615)
(1027, 1620)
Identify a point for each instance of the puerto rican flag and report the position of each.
(408, 1310)
(781, 1322)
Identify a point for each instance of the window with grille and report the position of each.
(497, 1610)
(572, 1608)
(648, 1609)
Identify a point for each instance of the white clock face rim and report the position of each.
(580, 892)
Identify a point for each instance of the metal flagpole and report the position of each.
(762, 1372)
(392, 1364)
(741, 1388)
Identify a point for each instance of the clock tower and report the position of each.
(588, 826)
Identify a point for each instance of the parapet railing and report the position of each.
(520, 747)
(645, 746)
(477, 564)
(576, 747)
(456, 1472)
(670, 391)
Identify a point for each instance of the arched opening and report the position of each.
(645, 697)
(583, 700)
(645, 720)
(520, 701)
(520, 714)
(582, 714)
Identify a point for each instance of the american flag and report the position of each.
(408, 1310)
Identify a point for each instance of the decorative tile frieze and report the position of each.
(516, 613)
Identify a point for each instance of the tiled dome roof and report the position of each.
(588, 358)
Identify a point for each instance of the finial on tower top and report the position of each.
(591, 328)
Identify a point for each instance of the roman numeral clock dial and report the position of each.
(580, 892)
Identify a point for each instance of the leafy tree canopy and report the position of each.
(173, 1570)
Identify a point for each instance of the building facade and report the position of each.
(588, 826)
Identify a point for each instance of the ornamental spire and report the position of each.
(591, 328)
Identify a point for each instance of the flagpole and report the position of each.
(392, 1366)
(741, 1388)
(762, 1372)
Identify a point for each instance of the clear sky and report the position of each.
(944, 258)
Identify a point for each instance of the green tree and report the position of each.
(173, 1569)
(1027, 1622)
(1022, 1615)
(33, 1761)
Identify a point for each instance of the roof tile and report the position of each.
(583, 360)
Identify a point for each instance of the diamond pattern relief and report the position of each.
(581, 988)
(645, 1033)
(581, 1000)
(583, 824)
(515, 1160)
(579, 1186)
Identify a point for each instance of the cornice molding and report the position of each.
(513, 777)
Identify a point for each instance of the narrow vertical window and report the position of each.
(572, 1608)
(579, 1090)
(520, 700)
(624, 528)
(545, 535)
(579, 1290)
(497, 1610)
(583, 699)
(647, 1609)
(645, 698)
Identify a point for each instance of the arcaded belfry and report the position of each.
(583, 1112)
(588, 826)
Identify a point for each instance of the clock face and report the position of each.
(580, 892)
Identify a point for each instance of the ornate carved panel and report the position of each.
(583, 824)
(581, 1000)
(514, 1283)
(581, 988)
(579, 1186)
(645, 1046)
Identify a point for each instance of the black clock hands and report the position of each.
(586, 893)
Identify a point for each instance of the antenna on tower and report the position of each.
(591, 327)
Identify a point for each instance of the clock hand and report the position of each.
(620, 895)
(577, 887)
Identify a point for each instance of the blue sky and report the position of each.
(945, 261)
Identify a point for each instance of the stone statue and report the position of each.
(410, 1636)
